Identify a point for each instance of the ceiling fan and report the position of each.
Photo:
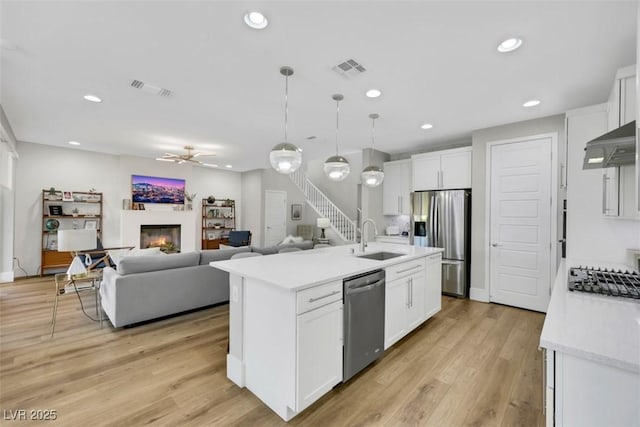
(189, 156)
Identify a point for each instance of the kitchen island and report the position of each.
(592, 356)
(286, 315)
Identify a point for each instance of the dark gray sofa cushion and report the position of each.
(143, 264)
(211, 255)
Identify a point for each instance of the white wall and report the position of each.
(480, 138)
(42, 166)
(590, 235)
(7, 213)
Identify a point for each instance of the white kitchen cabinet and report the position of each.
(611, 191)
(426, 171)
(290, 352)
(618, 183)
(396, 188)
(415, 311)
(395, 306)
(442, 170)
(581, 392)
(319, 355)
(433, 285)
(404, 299)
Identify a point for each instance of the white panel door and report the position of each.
(520, 236)
(275, 217)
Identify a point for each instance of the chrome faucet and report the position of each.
(363, 243)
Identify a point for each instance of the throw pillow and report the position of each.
(117, 254)
(291, 239)
(146, 251)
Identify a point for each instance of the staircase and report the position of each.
(341, 224)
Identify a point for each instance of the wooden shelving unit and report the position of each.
(58, 214)
(218, 219)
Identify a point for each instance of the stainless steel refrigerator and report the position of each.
(443, 219)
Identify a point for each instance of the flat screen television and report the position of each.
(152, 189)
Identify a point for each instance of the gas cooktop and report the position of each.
(605, 282)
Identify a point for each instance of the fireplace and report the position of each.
(164, 236)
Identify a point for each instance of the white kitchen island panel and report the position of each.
(286, 318)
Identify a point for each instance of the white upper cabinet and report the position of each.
(622, 99)
(618, 183)
(396, 188)
(442, 170)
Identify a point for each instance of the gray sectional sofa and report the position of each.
(148, 287)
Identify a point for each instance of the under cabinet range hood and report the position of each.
(615, 148)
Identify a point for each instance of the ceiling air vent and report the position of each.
(150, 89)
(349, 68)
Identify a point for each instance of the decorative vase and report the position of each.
(211, 200)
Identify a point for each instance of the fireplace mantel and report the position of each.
(130, 222)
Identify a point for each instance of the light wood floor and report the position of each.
(472, 364)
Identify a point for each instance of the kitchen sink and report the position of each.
(380, 256)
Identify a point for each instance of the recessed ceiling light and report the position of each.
(74, 143)
(596, 160)
(210, 164)
(228, 166)
(531, 103)
(256, 20)
(426, 126)
(92, 98)
(373, 93)
(509, 45)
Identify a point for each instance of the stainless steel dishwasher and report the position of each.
(363, 321)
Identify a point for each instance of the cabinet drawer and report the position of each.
(55, 258)
(406, 268)
(318, 296)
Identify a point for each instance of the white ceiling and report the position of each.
(435, 62)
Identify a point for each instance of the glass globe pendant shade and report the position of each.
(372, 176)
(336, 168)
(285, 158)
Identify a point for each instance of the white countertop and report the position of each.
(304, 269)
(594, 327)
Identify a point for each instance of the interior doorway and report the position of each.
(521, 221)
(275, 217)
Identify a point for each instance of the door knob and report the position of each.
(495, 244)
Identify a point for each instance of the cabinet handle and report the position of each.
(411, 292)
(407, 269)
(323, 296)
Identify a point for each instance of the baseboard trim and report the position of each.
(6, 276)
(478, 294)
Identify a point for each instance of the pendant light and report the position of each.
(285, 157)
(337, 167)
(372, 175)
